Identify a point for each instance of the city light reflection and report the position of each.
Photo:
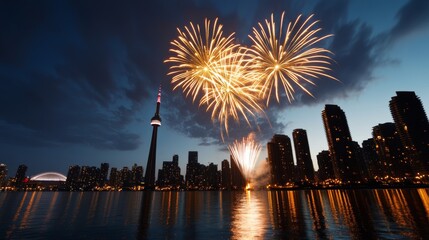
(249, 217)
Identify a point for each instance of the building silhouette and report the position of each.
(340, 143)
(304, 163)
(280, 160)
(413, 128)
(370, 157)
(213, 177)
(72, 181)
(324, 162)
(390, 151)
(195, 172)
(20, 176)
(226, 175)
(169, 175)
(151, 161)
(114, 178)
(3, 175)
(238, 181)
(104, 171)
(137, 173)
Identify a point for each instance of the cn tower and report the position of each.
(150, 167)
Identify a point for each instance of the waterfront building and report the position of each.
(226, 175)
(72, 181)
(20, 176)
(413, 127)
(280, 160)
(390, 151)
(3, 175)
(151, 162)
(238, 181)
(324, 162)
(104, 170)
(169, 175)
(303, 158)
(370, 157)
(114, 179)
(340, 144)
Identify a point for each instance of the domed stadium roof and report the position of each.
(49, 176)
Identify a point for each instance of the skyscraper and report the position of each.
(169, 175)
(340, 144)
(226, 175)
(413, 128)
(72, 182)
(20, 175)
(326, 170)
(3, 175)
(280, 160)
(390, 151)
(193, 171)
(104, 171)
(238, 181)
(151, 161)
(371, 159)
(303, 158)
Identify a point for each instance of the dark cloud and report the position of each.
(80, 71)
(412, 17)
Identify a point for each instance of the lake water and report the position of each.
(300, 214)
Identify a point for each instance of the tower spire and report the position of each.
(151, 162)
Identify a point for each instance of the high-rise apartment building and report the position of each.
(238, 181)
(412, 124)
(324, 162)
(303, 157)
(226, 175)
(20, 175)
(340, 144)
(370, 157)
(280, 160)
(169, 175)
(3, 175)
(392, 157)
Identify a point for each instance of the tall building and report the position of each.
(413, 128)
(226, 175)
(151, 161)
(280, 160)
(114, 178)
(137, 172)
(238, 181)
(72, 181)
(104, 170)
(194, 171)
(370, 157)
(212, 176)
(392, 157)
(3, 175)
(340, 144)
(20, 175)
(169, 175)
(303, 158)
(324, 162)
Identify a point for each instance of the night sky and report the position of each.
(79, 78)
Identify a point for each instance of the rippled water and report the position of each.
(303, 214)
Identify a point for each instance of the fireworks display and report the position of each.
(245, 154)
(283, 58)
(233, 81)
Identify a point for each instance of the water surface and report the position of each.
(300, 214)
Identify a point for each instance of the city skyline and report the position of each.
(59, 111)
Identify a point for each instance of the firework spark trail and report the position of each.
(232, 80)
(197, 55)
(288, 57)
(245, 154)
(235, 94)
